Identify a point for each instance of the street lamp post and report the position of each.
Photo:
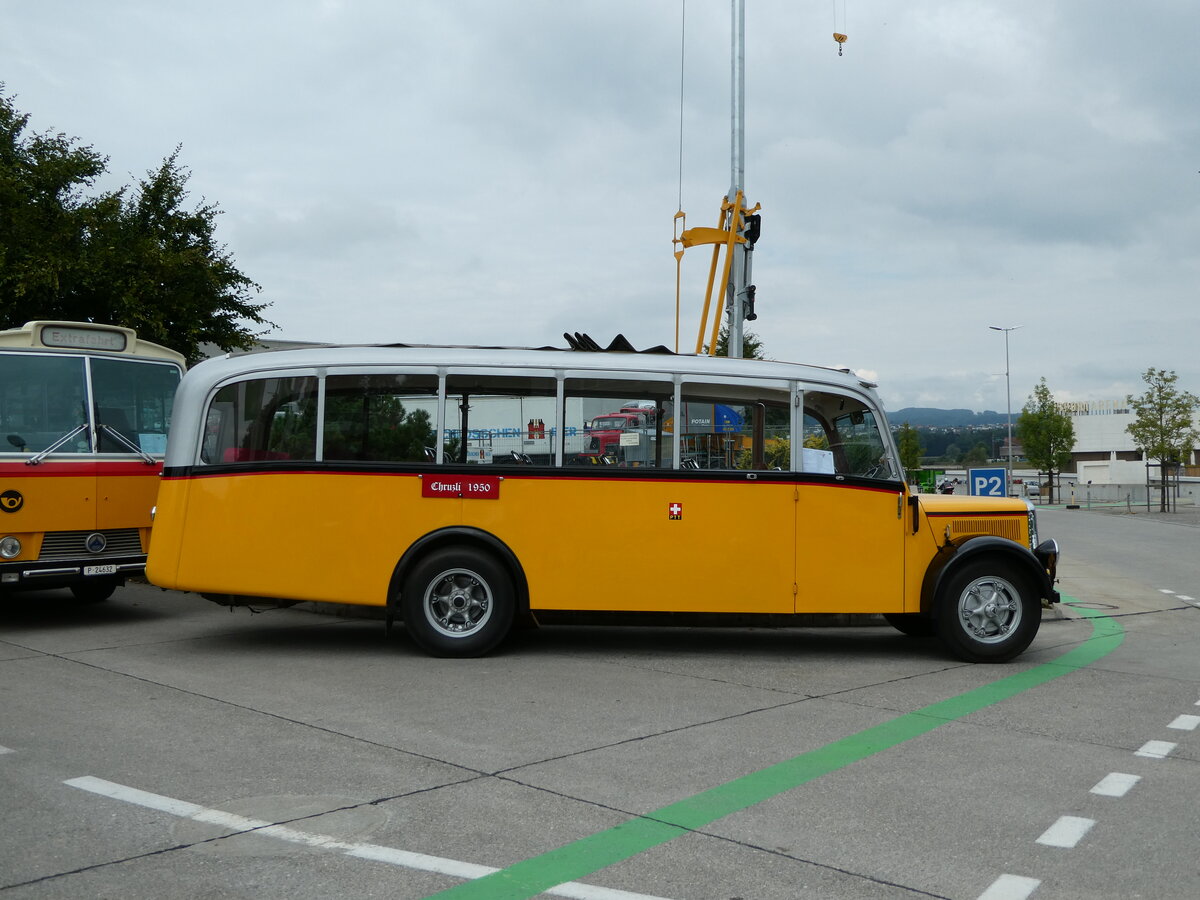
(1008, 394)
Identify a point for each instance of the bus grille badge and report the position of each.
(95, 543)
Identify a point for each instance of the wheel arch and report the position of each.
(458, 535)
(954, 556)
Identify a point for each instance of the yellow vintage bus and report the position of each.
(462, 489)
(84, 410)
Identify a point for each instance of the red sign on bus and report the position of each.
(470, 487)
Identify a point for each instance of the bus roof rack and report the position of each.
(619, 344)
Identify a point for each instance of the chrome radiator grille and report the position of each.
(72, 544)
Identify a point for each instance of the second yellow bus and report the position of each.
(466, 488)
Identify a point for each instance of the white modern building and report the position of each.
(1104, 454)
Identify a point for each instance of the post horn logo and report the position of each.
(11, 501)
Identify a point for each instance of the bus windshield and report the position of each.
(44, 398)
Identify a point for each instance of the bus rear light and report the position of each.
(10, 547)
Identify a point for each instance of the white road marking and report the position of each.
(405, 858)
(1066, 832)
(1156, 749)
(1185, 723)
(1165, 591)
(1010, 887)
(1115, 784)
(9, 750)
(1185, 597)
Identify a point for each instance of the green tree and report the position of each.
(136, 257)
(910, 448)
(1163, 427)
(44, 219)
(1046, 433)
(752, 346)
(976, 456)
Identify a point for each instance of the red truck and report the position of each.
(604, 432)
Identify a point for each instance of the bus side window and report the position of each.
(270, 419)
(731, 432)
(501, 420)
(218, 432)
(611, 422)
(842, 436)
(380, 418)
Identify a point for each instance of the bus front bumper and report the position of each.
(34, 575)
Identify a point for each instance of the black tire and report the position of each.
(988, 611)
(94, 591)
(912, 624)
(458, 602)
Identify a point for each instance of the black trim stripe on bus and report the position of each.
(593, 473)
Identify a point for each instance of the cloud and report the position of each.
(494, 173)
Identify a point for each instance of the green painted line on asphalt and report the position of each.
(598, 851)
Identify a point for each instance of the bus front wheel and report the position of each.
(988, 612)
(96, 591)
(458, 602)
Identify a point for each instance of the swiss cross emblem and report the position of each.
(675, 511)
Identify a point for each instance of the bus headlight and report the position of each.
(1031, 511)
(10, 547)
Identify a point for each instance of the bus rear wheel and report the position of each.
(458, 602)
(988, 612)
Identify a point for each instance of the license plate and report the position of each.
(100, 570)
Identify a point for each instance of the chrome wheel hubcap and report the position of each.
(989, 609)
(458, 602)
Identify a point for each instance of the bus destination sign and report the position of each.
(83, 338)
(469, 487)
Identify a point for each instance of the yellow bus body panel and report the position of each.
(584, 544)
(51, 502)
(851, 548)
(737, 545)
(612, 544)
(125, 501)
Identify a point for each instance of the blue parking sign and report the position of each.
(988, 482)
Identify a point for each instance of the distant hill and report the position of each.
(921, 416)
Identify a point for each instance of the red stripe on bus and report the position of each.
(53, 469)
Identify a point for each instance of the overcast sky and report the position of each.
(499, 172)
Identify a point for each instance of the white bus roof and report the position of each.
(649, 364)
(206, 377)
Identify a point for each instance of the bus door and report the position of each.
(635, 532)
(850, 511)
